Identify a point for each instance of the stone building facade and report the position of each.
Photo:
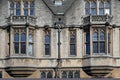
(49, 39)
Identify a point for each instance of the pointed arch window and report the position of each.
(87, 8)
(43, 75)
(32, 7)
(99, 41)
(12, 8)
(47, 43)
(72, 43)
(18, 8)
(49, 75)
(77, 74)
(107, 7)
(101, 8)
(93, 8)
(87, 43)
(25, 8)
(70, 74)
(64, 74)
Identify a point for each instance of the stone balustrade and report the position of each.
(97, 19)
(21, 20)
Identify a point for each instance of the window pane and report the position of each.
(107, 5)
(93, 8)
(49, 75)
(23, 37)
(18, 12)
(64, 74)
(70, 75)
(76, 75)
(32, 8)
(102, 36)
(25, 12)
(107, 11)
(95, 36)
(23, 48)
(30, 49)
(12, 5)
(30, 38)
(47, 49)
(72, 38)
(43, 75)
(72, 49)
(93, 11)
(95, 47)
(16, 47)
(25, 4)
(47, 39)
(87, 48)
(31, 12)
(87, 8)
(101, 4)
(87, 11)
(102, 47)
(101, 11)
(11, 12)
(93, 5)
(87, 37)
(18, 5)
(16, 37)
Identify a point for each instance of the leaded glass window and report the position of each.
(12, 8)
(32, 7)
(18, 8)
(70, 74)
(87, 8)
(43, 75)
(25, 8)
(93, 8)
(47, 43)
(72, 43)
(99, 41)
(77, 74)
(49, 75)
(30, 45)
(64, 74)
(101, 8)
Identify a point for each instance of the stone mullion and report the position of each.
(91, 41)
(27, 42)
(11, 41)
(22, 7)
(106, 40)
(28, 8)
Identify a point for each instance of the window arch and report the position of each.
(77, 74)
(64, 74)
(43, 75)
(26, 8)
(72, 43)
(70, 74)
(107, 7)
(18, 8)
(95, 42)
(87, 8)
(49, 75)
(101, 8)
(11, 8)
(47, 43)
(93, 8)
(32, 5)
(87, 43)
